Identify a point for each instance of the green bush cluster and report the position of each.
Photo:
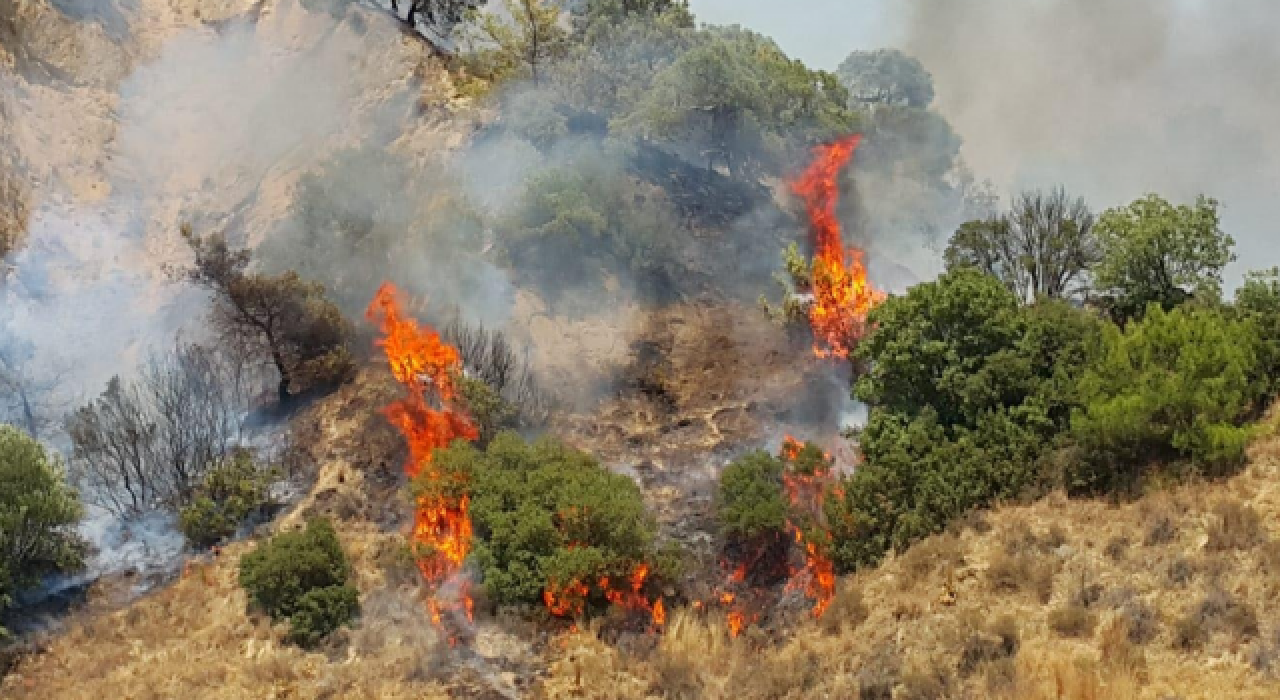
(980, 393)
(38, 514)
(229, 494)
(545, 516)
(302, 577)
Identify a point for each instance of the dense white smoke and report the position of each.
(1116, 99)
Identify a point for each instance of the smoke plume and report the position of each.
(1116, 99)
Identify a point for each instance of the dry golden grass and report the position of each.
(1033, 604)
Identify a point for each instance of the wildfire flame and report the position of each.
(425, 364)
(842, 296)
(807, 492)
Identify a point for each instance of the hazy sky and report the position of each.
(1112, 99)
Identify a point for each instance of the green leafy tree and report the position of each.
(576, 224)
(302, 577)
(38, 515)
(229, 494)
(1043, 248)
(1172, 386)
(886, 76)
(740, 99)
(521, 42)
(1153, 251)
(545, 517)
(285, 318)
(969, 393)
(1258, 300)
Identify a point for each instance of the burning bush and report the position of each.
(752, 510)
(551, 524)
(302, 577)
(230, 493)
(38, 512)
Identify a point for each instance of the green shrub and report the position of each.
(302, 577)
(969, 392)
(751, 501)
(491, 412)
(38, 514)
(230, 493)
(321, 611)
(545, 517)
(1176, 385)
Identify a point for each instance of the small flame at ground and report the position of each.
(842, 296)
(422, 362)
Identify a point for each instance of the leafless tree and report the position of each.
(27, 395)
(147, 444)
(490, 357)
(1044, 246)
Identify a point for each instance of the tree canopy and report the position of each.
(1155, 252)
(886, 76)
(1044, 247)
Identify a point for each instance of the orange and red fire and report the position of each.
(427, 366)
(842, 295)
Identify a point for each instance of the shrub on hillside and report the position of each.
(302, 577)
(969, 391)
(1174, 386)
(752, 511)
(38, 514)
(546, 518)
(229, 494)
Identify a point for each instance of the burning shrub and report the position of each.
(752, 510)
(230, 493)
(1172, 386)
(38, 513)
(302, 577)
(551, 523)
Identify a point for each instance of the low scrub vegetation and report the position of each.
(302, 577)
(38, 514)
(230, 493)
(549, 520)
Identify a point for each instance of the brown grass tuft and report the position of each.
(1235, 525)
(1072, 620)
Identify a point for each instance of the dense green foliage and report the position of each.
(38, 514)
(751, 502)
(229, 494)
(302, 577)
(545, 516)
(1155, 252)
(576, 224)
(969, 390)
(983, 388)
(1173, 385)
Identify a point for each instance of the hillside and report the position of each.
(1175, 595)
(614, 356)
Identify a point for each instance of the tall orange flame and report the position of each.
(842, 296)
(426, 365)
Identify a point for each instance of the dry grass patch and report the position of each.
(1235, 526)
(1072, 620)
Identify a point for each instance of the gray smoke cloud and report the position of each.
(1116, 99)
